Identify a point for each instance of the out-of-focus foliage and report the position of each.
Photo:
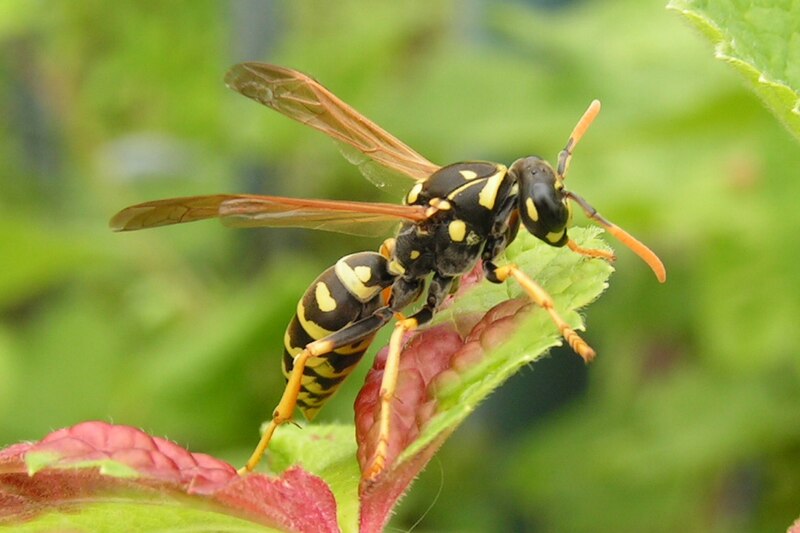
(687, 421)
(760, 40)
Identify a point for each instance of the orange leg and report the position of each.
(285, 409)
(391, 370)
(541, 298)
(355, 332)
(590, 252)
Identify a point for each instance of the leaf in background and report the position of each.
(36, 258)
(94, 476)
(444, 374)
(759, 38)
(610, 467)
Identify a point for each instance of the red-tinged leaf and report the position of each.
(296, 500)
(433, 360)
(418, 368)
(447, 369)
(147, 456)
(424, 358)
(379, 498)
(87, 476)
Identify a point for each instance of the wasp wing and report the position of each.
(355, 218)
(245, 210)
(166, 212)
(305, 100)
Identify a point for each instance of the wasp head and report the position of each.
(543, 205)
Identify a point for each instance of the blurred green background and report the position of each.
(687, 421)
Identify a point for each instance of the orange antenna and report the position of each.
(580, 128)
(639, 248)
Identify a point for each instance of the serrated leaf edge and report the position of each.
(503, 365)
(724, 51)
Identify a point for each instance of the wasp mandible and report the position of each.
(451, 218)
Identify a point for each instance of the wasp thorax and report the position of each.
(543, 206)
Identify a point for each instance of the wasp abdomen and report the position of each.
(343, 294)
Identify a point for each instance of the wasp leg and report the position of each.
(353, 333)
(591, 252)
(391, 370)
(541, 298)
(283, 412)
(439, 288)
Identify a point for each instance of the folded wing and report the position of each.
(248, 210)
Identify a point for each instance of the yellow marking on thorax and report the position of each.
(455, 192)
(325, 301)
(413, 194)
(468, 174)
(488, 195)
(457, 230)
(414, 254)
(533, 214)
(440, 204)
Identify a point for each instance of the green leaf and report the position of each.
(139, 512)
(759, 39)
(37, 461)
(610, 466)
(572, 280)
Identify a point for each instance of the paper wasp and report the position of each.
(452, 217)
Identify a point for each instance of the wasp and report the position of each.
(452, 217)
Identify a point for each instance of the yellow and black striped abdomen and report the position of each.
(340, 296)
